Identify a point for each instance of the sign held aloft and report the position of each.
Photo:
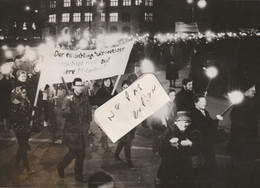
(126, 110)
(86, 64)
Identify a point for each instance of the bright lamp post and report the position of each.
(200, 3)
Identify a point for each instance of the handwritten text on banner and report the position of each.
(86, 64)
(130, 107)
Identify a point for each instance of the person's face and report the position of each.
(189, 86)
(22, 77)
(107, 83)
(108, 185)
(78, 87)
(23, 93)
(201, 104)
(125, 86)
(172, 96)
(182, 125)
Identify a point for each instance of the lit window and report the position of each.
(148, 3)
(52, 4)
(103, 17)
(148, 17)
(113, 3)
(67, 3)
(126, 2)
(113, 29)
(138, 2)
(78, 3)
(89, 2)
(65, 17)
(113, 17)
(126, 17)
(88, 17)
(52, 18)
(76, 17)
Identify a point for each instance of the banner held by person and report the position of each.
(126, 110)
(86, 64)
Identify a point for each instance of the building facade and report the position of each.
(76, 17)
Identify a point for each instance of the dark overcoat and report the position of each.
(243, 134)
(77, 114)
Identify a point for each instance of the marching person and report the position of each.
(243, 142)
(203, 123)
(175, 150)
(159, 119)
(77, 113)
(126, 141)
(103, 95)
(19, 118)
(172, 67)
(184, 98)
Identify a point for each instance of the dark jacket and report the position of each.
(205, 125)
(78, 115)
(184, 100)
(103, 95)
(176, 162)
(243, 134)
(20, 116)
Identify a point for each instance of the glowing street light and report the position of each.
(235, 97)
(202, 3)
(211, 72)
(27, 8)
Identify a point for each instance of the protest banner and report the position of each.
(126, 110)
(181, 27)
(85, 64)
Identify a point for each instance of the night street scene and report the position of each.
(130, 93)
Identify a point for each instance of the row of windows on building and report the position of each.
(88, 17)
(113, 3)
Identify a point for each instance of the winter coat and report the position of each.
(78, 115)
(206, 126)
(243, 134)
(20, 115)
(184, 100)
(176, 162)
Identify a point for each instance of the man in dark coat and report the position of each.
(243, 144)
(243, 134)
(77, 113)
(207, 127)
(184, 98)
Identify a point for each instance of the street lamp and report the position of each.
(200, 3)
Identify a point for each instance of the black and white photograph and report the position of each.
(130, 93)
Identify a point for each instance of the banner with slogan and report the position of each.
(181, 27)
(127, 109)
(85, 64)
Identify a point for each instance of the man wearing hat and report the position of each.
(175, 150)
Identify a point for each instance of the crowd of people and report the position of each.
(184, 136)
